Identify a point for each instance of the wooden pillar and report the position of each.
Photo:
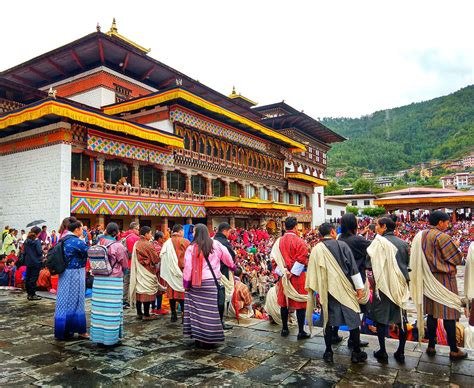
(242, 191)
(100, 220)
(270, 193)
(209, 223)
(188, 183)
(227, 189)
(100, 176)
(454, 215)
(232, 222)
(164, 179)
(209, 186)
(135, 175)
(164, 224)
(292, 198)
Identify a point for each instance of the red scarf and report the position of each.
(196, 276)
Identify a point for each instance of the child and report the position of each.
(7, 276)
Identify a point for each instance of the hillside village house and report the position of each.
(100, 129)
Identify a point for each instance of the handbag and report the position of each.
(220, 287)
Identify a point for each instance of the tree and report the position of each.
(333, 188)
(374, 211)
(363, 186)
(352, 209)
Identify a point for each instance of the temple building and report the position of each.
(99, 129)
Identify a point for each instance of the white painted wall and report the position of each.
(36, 184)
(96, 97)
(164, 125)
(336, 210)
(318, 211)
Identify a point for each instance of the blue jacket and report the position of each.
(33, 253)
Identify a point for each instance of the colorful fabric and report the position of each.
(443, 256)
(70, 315)
(201, 315)
(198, 259)
(143, 280)
(171, 272)
(107, 310)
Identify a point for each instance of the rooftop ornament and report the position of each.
(114, 32)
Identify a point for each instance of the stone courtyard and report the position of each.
(156, 354)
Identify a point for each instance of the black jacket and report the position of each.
(33, 253)
(224, 241)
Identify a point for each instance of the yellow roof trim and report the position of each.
(427, 199)
(175, 94)
(235, 95)
(57, 108)
(250, 203)
(307, 178)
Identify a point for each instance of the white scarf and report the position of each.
(422, 282)
(325, 276)
(170, 270)
(388, 277)
(288, 289)
(142, 281)
(469, 274)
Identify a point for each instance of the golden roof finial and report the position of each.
(113, 28)
(233, 90)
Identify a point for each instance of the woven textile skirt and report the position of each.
(70, 316)
(201, 316)
(107, 310)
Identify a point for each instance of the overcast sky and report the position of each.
(330, 58)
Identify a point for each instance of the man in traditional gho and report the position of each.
(433, 286)
(389, 257)
(333, 273)
(227, 279)
(290, 254)
(172, 265)
(241, 298)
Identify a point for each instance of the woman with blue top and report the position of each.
(70, 316)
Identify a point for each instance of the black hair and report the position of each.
(290, 223)
(238, 271)
(202, 239)
(348, 224)
(437, 216)
(144, 230)
(65, 223)
(74, 225)
(325, 229)
(389, 220)
(223, 226)
(177, 228)
(9, 261)
(159, 235)
(112, 229)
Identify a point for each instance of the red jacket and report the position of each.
(131, 241)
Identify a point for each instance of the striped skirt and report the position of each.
(107, 310)
(438, 310)
(70, 314)
(201, 315)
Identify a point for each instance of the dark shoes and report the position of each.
(225, 326)
(430, 351)
(285, 332)
(303, 336)
(400, 357)
(363, 344)
(174, 316)
(328, 357)
(381, 356)
(34, 297)
(358, 357)
(459, 355)
(336, 339)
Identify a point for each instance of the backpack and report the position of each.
(99, 260)
(55, 261)
(123, 241)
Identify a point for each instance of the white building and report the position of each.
(358, 200)
(335, 208)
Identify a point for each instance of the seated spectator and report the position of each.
(241, 299)
(7, 276)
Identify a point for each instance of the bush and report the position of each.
(352, 209)
(374, 211)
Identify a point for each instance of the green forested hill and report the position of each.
(398, 138)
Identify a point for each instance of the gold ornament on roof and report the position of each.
(114, 32)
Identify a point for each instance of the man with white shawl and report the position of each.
(469, 294)
(172, 265)
(389, 258)
(333, 273)
(433, 286)
(291, 256)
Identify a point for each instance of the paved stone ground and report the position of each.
(155, 353)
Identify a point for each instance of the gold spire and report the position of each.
(233, 91)
(114, 32)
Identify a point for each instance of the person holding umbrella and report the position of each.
(33, 260)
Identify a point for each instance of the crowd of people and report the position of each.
(199, 277)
